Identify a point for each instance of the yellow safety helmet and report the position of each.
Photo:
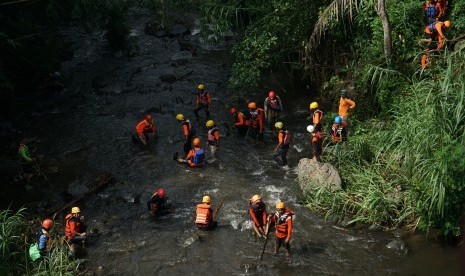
(75, 210)
(255, 198)
(313, 105)
(180, 117)
(201, 86)
(206, 199)
(210, 123)
(279, 125)
(280, 205)
(447, 23)
(252, 105)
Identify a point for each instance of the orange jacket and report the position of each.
(258, 213)
(203, 98)
(257, 120)
(144, 127)
(240, 121)
(283, 224)
(204, 214)
(71, 226)
(344, 105)
(284, 137)
(317, 117)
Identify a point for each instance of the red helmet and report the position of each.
(47, 223)
(271, 94)
(161, 192)
(233, 110)
(149, 117)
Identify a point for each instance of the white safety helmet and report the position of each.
(310, 128)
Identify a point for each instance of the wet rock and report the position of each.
(167, 78)
(99, 271)
(152, 29)
(98, 82)
(312, 173)
(178, 30)
(118, 54)
(398, 245)
(182, 57)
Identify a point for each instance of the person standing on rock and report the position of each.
(26, 161)
(284, 139)
(282, 221)
(213, 140)
(345, 104)
(75, 227)
(157, 204)
(239, 121)
(257, 211)
(188, 131)
(203, 101)
(204, 219)
(273, 107)
(256, 124)
(143, 128)
(316, 143)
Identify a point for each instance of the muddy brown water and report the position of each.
(86, 132)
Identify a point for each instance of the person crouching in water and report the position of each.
(158, 204)
(195, 157)
(75, 228)
(143, 128)
(282, 220)
(257, 211)
(213, 141)
(204, 219)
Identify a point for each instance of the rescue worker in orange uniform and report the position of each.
(337, 132)
(317, 143)
(195, 157)
(282, 221)
(434, 31)
(239, 121)
(75, 227)
(256, 125)
(204, 219)
(45, 239)
(284, 139)
(158, 203)
(273, 107)
(317, 116)
(345, 104)
(202, 100)
(188, 131)
(213, 140)
(257, 210)
(143, 128)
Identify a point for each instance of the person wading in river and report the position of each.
(195, 157)
(143, 128)
(213, 140)
(188, 131)
(157, 204)
(284, 139)
(317, 142)
(75, 227)
(204, 219)
(256, 125)
(273, 107)
(239, 121)
(203, 101)
(282, 221)
(257, 211)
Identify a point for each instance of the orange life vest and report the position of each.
(204, 214)
(202, 98)
(257, 118)
(282, 223)
(71, 226)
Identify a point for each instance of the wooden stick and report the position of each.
(218, 208)
(266, 239)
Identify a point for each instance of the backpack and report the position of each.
(431, 11)
(199, 155)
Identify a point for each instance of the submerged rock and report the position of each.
(178, 30)
(312, 173)
(398, 245)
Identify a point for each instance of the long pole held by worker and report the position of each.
(266, 239)
(218, 208)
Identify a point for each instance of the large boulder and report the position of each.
(312, 173)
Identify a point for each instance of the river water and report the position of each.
(86, 132)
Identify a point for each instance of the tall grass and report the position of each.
(412, 171)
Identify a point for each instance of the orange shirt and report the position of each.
(239, 119)
(144, 127)
(344, 105)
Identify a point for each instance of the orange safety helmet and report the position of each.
(196, 142)
(47, 223)
(447, 23)
(161, 192)
(233, 110)
(252, 105)
(271, 94)
(149, 117)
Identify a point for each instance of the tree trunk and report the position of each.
(381, 11)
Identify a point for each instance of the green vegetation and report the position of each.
(15, 238)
